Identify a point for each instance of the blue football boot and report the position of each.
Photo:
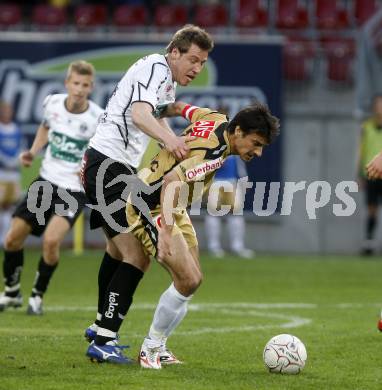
(111, 352)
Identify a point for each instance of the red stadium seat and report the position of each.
(48, 17)
(329, 15)
(90, 16)
(251, 15)
(167, 15)
(339, 54)
(10, 15)
(211, 15)
(296, 56)
(290, 14)
(134, 15)
(363, 10)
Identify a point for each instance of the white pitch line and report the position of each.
(227, 305)
(292, 322)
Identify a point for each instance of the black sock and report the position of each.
(43, 276)
(105, 274)
(12, 267)
(119, 297)
(370, 227)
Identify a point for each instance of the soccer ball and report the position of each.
(285, 354)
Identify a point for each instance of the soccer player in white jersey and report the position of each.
(118, 146)
(55, 199)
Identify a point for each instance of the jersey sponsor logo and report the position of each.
(203, 129)
(66, 148)
(201, 170)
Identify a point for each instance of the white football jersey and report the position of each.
(148, 80)
(68, 138)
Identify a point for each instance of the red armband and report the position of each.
(188, 110)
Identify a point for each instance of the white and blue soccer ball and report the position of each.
(285, 354)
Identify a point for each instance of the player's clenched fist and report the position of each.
(26, 158)
(374, 167)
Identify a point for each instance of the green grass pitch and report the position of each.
(331, 303)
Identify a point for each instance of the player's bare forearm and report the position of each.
(174, 109)
(40, 140)
(166, 126)
(143, 118)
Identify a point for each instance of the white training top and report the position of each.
(68, 137)
(148, 80)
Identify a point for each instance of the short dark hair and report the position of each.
(187, 35)
(256, 119)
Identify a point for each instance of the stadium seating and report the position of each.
(363, 10)
(130, 16)
(10, 15)
(339, 55)
(89, 16)
(170, 16)
(47, 17)
(291, 15)
(297, 59)
(251, 15)
(211, 15)
(330, 15)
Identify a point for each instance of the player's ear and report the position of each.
(238, 131)
(175, 53)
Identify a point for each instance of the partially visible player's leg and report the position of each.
(166, 356)
(213, 227)
(373, 192)
(112, 256)
(54, 234)
(110, 262)
(119, 294)
(172, 306)
(13, 262)
(118, 299)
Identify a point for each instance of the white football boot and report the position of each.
(6, 301)
(167, 357)
(35, 306)
(149, 356)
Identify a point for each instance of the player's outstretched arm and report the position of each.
(143, 118)
(41, 139)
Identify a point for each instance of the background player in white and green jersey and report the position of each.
(55, 199)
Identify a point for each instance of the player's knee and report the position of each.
(12, 241)
(51, 246)
(192, 283)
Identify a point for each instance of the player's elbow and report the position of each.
(139, 113)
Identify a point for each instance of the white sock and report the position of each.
(167, 315)
(176, 321)
(213, 228)
(236, 228)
